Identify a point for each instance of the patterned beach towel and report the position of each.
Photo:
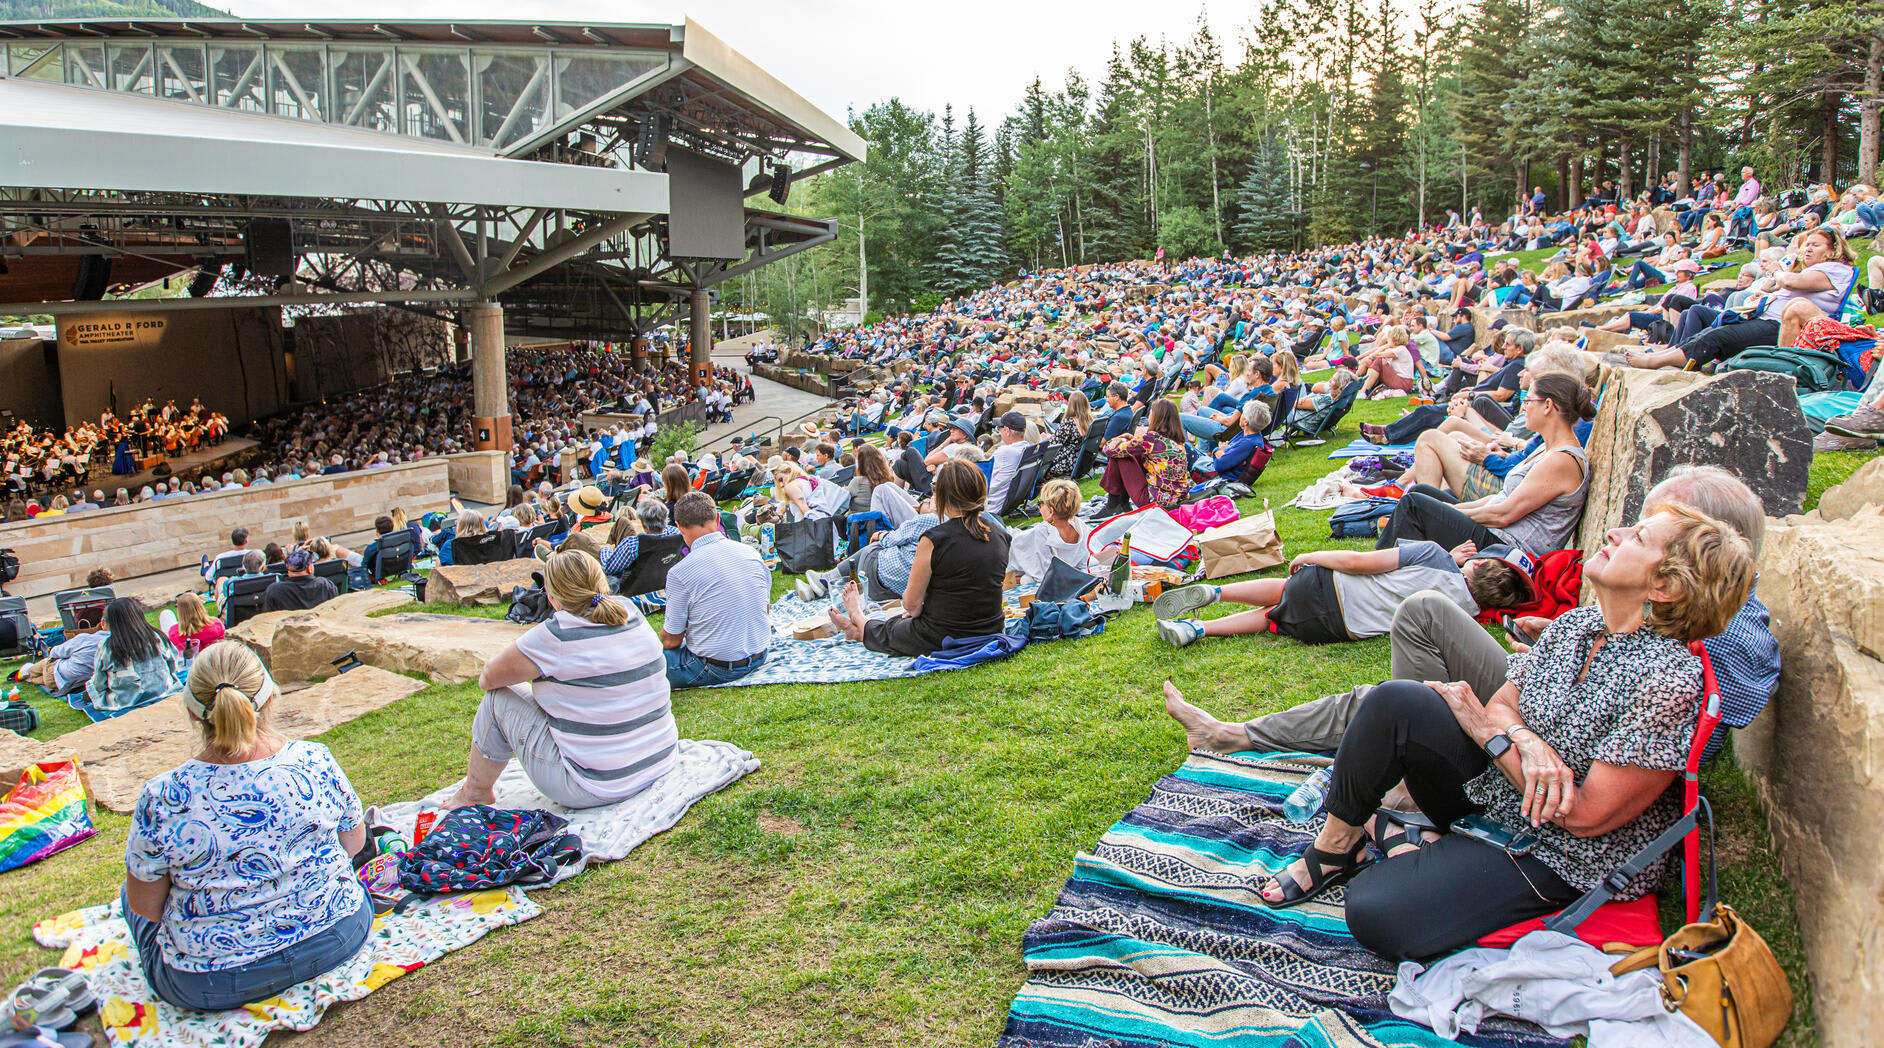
(1160, 939)
(98, 942)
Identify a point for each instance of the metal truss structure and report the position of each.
(424, 113)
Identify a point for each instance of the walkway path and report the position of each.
(775, 399)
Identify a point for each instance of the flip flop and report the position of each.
(53, 998)
(40, 1037)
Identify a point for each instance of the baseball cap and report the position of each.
(299, 560)
(1512, 555)
(1013, 420)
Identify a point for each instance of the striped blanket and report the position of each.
(1160, 939)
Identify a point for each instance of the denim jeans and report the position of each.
(258, 980)
(1200, 426)
(687, 670)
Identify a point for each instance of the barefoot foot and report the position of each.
(1201, 730)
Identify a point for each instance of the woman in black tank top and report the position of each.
(955, 584)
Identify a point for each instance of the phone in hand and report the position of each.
(1517, 633)
(1511, 841)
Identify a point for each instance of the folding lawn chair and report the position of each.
(1020, 489)
(654, 556)
(1306, 430)
(71, 602)
(244, 601)
(488, 548)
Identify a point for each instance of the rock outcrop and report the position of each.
(479, 583)
(1816, 756)
(300, 645)
(1649, 422)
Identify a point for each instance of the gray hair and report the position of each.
(1715, 492)
(1523, 339)
(253, 562)
(1119, 390)
(1256, 415)
(653, 514)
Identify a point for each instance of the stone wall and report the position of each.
(1483, 317)
(1816, 756)
(479, 476)
(133, 541)
(1649, 422)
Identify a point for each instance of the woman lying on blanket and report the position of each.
(1576, 753)
(595, 726)
(239, 878)
(955, 583)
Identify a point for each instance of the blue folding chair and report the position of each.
(860, 527)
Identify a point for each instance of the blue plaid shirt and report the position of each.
(617, 559)
(1746, 665)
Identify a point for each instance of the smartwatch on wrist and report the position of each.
(1497, 746)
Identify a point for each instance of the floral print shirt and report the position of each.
(1637, 705)
(1167, 468)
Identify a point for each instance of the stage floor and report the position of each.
(181, 464)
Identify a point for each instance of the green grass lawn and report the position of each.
(869, 885)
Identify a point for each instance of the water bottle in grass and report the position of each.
(1306, 800)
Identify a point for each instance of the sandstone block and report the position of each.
(1865, 487)
(444, 647)
(1649, 422)
(1816, 756)
(479, 583)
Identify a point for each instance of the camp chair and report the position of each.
(1306, 430)
(654, 556)
(844, 476)
(1283, 409)
(542, 530)
(488, 548)
(859, 527)
(226, 568)
(732, 485)
(394, 556)
(987, 468)
(14, 608)
(245, 598)
(334, 571)
(1089, 451)
(1026, 479)
(1597, 919)
(708, 484)
(70, 601)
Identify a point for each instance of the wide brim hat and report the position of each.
(642, 465)
(587, 501)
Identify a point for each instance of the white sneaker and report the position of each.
(1180, 633)
(1177, 603)
(813, 586)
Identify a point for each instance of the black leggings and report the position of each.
(1426, 513)
(1454, 890)
(1729, 339)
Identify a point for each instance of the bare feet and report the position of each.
(1201, 730)
(467, 797)
(850, 630)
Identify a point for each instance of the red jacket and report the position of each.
(1558, 582)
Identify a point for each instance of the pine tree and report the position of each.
(1266, 219)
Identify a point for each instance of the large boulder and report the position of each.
(1649, 422)
(301, 645)
(1814, 756)
(479, 583)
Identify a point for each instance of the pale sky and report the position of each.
(840, 53)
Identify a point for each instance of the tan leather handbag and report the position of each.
(1721, 974)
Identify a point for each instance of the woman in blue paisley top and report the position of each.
(1580, 748)
(240, 880)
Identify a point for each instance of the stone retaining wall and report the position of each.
(479, 476)
(133, 541)
(1816, 757)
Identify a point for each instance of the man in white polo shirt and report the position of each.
(717, 625)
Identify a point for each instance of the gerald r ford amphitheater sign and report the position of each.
(122, 331)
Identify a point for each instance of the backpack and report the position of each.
(9, 566)
(480, 847)
(1360, 519)
(529, 605)
(1811, 370)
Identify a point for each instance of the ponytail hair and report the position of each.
(577, 583)
(1566, 393)
(228, 692)
(961, 489)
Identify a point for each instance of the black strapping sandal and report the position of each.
(1390, 829)
(1321, 878)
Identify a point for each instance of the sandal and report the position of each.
(54, 998)
(1321, 877)
(1391, 829)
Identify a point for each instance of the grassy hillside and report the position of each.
(47, 9)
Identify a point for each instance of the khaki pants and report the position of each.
(1433, 639)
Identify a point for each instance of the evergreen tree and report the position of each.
(1266, 218)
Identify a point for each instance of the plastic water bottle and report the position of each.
(1306, 800)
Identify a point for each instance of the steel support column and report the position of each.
(700, 334)
(490, 383)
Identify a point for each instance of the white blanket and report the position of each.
(613, 830)
(1557, 981)
(1324, 493)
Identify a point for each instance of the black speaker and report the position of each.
(651, 142)
(94, 274)
(781, 183)
(271, 247)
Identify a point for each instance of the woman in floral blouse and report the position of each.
(1070, 433)
(1151, 465)
(1579, 749)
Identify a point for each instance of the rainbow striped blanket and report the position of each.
(1160, 939)
(44, 812)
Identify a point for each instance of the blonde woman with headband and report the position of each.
(239, 875)
(580, 701)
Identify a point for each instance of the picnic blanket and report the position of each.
(1159, 937)
(1358, 447)
(611, 831)
(97, 942)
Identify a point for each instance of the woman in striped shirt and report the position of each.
(581, 701)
